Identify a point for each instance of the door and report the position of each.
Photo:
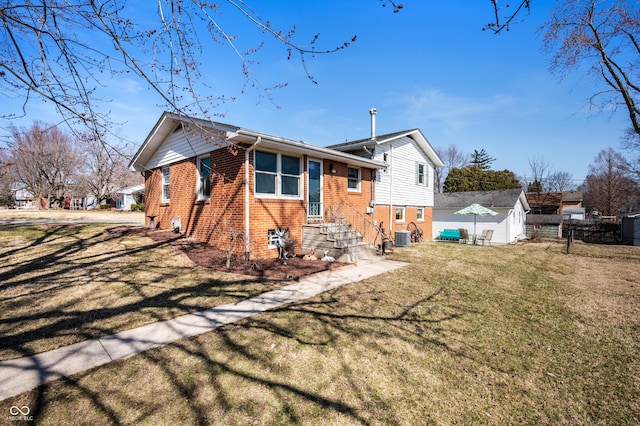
(314, 189)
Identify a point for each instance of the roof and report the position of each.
(415, 134)
(169, 121)
(544, 198)
(571, 196)
(493, 199)
(131, 189)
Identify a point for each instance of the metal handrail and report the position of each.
(346, 214)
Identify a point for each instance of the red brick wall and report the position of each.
(215, 220)
(381, 215)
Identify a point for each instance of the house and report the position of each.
(557, 203)
(509, 225)
(125, 197)
(236, 188)
(23, 198)
(404, 188)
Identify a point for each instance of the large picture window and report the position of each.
(166, 184)
(204, 177)
(277, 174)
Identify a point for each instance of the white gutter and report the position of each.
(247, 218)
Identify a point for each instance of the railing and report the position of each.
(314, 210)
(347, 215)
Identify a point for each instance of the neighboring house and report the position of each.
(23, 198)
(509, 225)
(125, 197)
(557, 203)
(404, 189)
(234, 188)
(572, 205)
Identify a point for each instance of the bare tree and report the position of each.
(560, 182)
(505, 16)
(608, 187)
(604, 37)
(45, 160)
(63, 51)
(453, 158)
(104, 168)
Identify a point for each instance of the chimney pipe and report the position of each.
(373, 113)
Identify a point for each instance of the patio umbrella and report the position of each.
(476, 210)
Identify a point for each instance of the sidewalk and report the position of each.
(22, 374)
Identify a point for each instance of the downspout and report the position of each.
(391, 215)
(247, 218)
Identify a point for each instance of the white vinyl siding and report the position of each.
(398, 184)
(182, 145)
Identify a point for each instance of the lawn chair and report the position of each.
(464, 236)
(487, 234)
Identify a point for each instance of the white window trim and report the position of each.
(404, 214)
(199, 195)
(423, 210)
(359, 186)
(165, 200)
(425, 175)
(272, 237)
(278, 175)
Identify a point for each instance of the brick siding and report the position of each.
(221, 217)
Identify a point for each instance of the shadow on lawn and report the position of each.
(413, 324)
(409, 324)
(58, 270)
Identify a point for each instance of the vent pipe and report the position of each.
(373, 113)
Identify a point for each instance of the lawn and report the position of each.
(492, 335)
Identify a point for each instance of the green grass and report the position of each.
(464, 335)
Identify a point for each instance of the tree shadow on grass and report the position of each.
(234, 356)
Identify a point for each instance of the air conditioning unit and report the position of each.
(403, 238)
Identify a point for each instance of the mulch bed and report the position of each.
(213, 258)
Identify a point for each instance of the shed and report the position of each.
(631, 229)
(509, 225)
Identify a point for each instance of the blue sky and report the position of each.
(430, 67)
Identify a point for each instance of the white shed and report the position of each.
(509, 225)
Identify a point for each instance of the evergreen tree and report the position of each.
(481, 159)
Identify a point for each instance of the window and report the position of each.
(399, 214)
(166, 184)
(421, 174)
(204, 177)
(420, 214)
(353, 179)
(277, 174)
(272, 238)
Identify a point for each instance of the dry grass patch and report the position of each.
(63, 284)
(465, 335)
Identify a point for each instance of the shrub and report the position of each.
(105, 206)
(137, 207)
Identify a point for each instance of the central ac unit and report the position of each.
(403, 238)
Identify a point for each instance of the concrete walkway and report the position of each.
(23, 374)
